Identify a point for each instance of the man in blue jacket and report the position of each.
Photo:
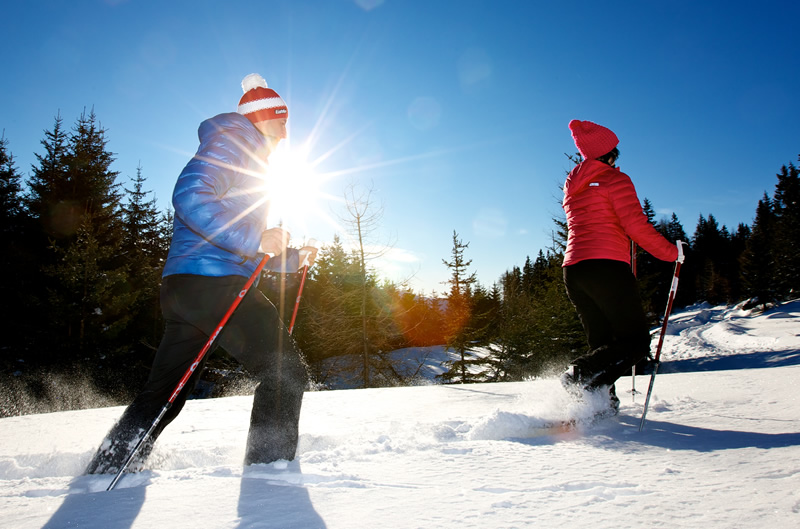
(221, 201)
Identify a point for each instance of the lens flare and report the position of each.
(294, 190)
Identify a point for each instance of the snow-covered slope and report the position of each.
(721, 448)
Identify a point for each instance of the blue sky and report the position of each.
(455, 113)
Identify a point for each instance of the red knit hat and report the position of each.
(591, 139)
(260, 103)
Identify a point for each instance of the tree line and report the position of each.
(83, 256)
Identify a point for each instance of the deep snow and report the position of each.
(721, 448)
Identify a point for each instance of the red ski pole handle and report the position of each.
(297, 301)
(312, 243)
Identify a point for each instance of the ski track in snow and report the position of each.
(717, 338)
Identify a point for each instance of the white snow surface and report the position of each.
(720, 448)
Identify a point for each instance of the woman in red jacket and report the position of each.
(603, 215)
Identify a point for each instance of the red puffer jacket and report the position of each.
(604, 213)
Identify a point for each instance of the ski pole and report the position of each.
(191, 369)
(313, 243)
(633, 368)
(657, 362)
(297, 301)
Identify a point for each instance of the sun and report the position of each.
(294, 190)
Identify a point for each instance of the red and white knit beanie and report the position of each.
(591, 139)
(260, 103)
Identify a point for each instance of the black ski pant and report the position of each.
(606, 297)
(192, 307)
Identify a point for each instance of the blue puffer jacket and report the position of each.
(221, 204)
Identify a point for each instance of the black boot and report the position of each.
(578, 378)
(269, 444)
(614, 400)
(274, 430)
(116, 449)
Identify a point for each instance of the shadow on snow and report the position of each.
(756, 360)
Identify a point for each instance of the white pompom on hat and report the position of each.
(259, 102)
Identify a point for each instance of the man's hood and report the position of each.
(233, 125)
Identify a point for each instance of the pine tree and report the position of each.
(539, 330)
(758, 259)
(459, 334)
(46, 185)
(331, 315)
(486, 308)
(786, 204)
(529, 274)
(649, 270)
(675, 231)
(510, 347)
(144, 248)
(17, 260)
(561, 337)
(711, 250)
(91, 299)
(648, 210)
(736, 247)
(419, 319)
(76, 199)
(49, 181)
(11, 205)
